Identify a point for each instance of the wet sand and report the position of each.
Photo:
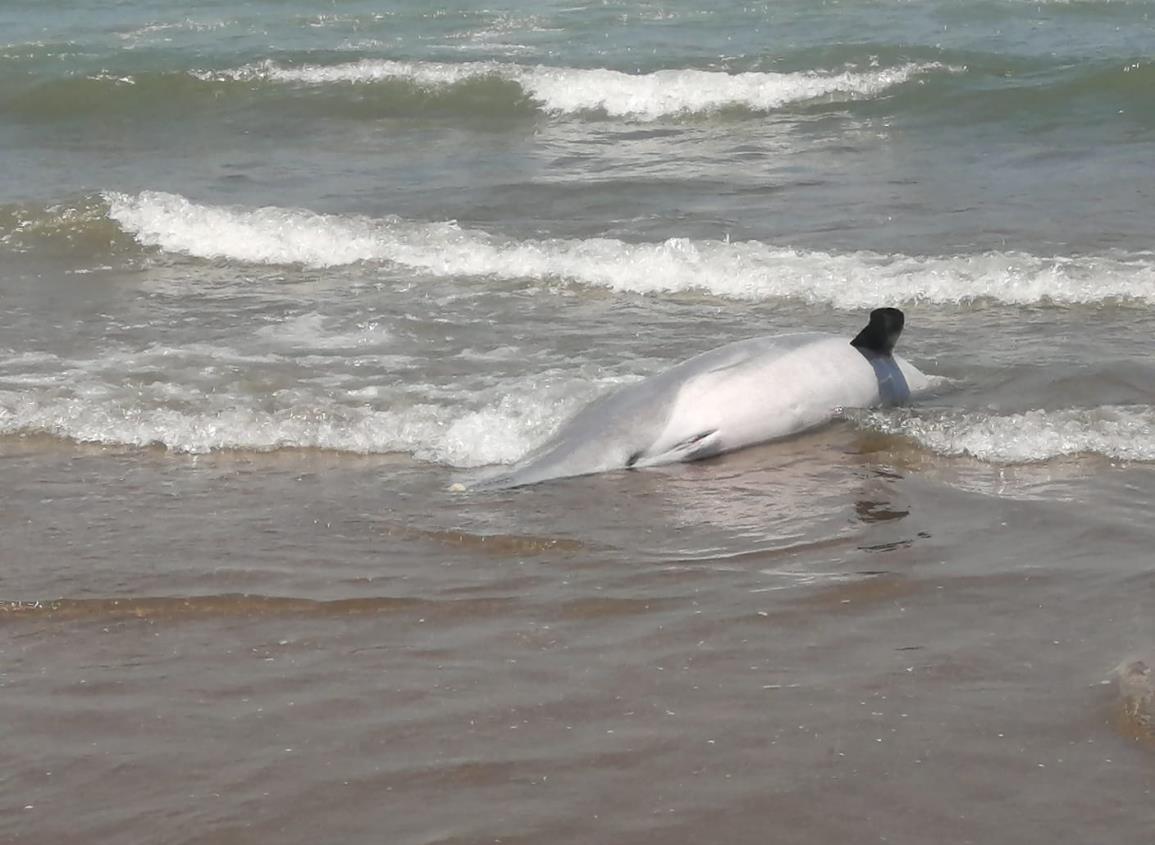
(805, 643)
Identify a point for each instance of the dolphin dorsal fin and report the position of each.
(882, 332)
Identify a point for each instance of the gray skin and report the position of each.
(631, 427)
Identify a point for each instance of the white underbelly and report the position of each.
(781, 395)
(744, 393)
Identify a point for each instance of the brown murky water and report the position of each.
(807, 643)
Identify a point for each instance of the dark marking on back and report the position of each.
(876, 343)
(881, 333)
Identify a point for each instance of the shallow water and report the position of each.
(302, 647)
(273, 276)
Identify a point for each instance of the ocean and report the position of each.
(275, 276)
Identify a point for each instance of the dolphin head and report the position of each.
(881, 333)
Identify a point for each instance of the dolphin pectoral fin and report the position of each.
(704, 444)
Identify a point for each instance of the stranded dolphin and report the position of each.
(744, 393)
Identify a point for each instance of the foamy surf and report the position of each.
(437, 434)
(1118, 432)
(213, 398)
(747, 270)
(496, 426)
(210, 400)
(563, 90)
(456, 437)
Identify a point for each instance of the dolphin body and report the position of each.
(738, 395)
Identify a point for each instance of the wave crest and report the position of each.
(740, 270)
(562, 90)
(1119, 432)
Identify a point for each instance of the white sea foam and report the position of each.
(739, 270)
(208, 401)
(212, 397)
(164, 27)
(563, 90)
(312, 331)
(263, 236)
(1117, 432)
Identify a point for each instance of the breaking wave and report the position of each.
(119, 398)
(740, 270)
(1118, 432)
(561, 90)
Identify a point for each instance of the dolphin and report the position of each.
(748, 392)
